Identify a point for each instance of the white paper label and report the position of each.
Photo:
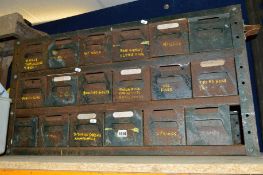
(77, 69)
(122, 133)
(131, 71)
(167, 26)
(123, 114)
(144, 21)
(212, 63)
(63, 78)
(93, 120)
(86, 116)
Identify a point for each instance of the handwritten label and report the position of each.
(122, 133)
(27, 98)
(134, 52)
(96, 92)
(87, 136)
(32, 63)
(166, 88)
(130, 93)
(171, 44)
(93, 53)
(166, 133)
(218, 81)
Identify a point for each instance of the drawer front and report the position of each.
(169, 38)
(62, 90)
(165, 127)
(96, 87)
(33, 56)
(214, 78)
(31, 92)
(210, 33)
(25, 132)
(208, 126)
(54, 131)
(123, 128)
(95, 48)
(171, 82)
(130, 43)
(87, 129)
(63, 52)
(131, 84)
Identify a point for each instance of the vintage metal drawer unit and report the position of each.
(175, 85)
(86, 129)
(31, 92)
(95, 48)
(95, 87)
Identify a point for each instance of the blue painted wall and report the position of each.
(145, 9)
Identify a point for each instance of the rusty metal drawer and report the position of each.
(95, 87)
(131, 43)
(31, 92)
(214, 77)
(63, 52)
(123, 128)
(208, 126)
(210, 33)
(131, 84)
(25, 132)
(164, 126)
(95, 48)
(169, 38)
(33, 56)
(87, 129)
(54, 131)
(62, 90)
(171, 82)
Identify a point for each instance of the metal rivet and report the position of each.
(15, 77)
(226, 25)
(234, 9)
(18, 42)
(11, 113)
(166, 6)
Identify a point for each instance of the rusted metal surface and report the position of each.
(165, 127)
(130, 43)
(62, 90)
(214, 77)
(33, 55)
(131, 84)
(208, 126)
(95, 48)
(169, 38)
(26, 132)
(31, 92)
(134, 89)
(63, 52)
(171, 82)
(86, 129)
(251, 30)
(95, 87)
(54, 131)
(123, 128)
(209, 33)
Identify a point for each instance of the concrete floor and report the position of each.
(140, 164)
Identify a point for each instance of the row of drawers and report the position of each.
(127, 42)
(206, 78)
(213, 125)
